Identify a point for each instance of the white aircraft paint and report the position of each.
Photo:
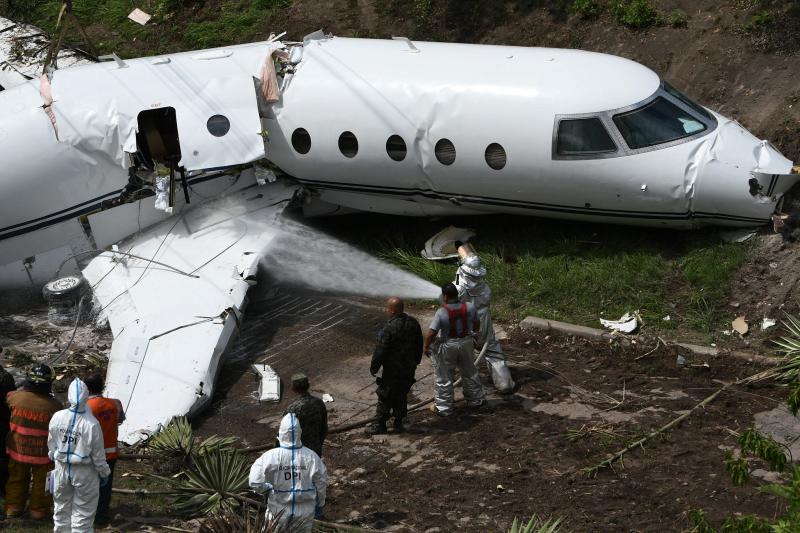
(171, 330)
(64, 172)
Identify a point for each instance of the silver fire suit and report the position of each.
(472, 287)
(454, 349)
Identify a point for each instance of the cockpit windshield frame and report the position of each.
(664, 91)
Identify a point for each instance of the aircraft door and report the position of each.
(218, 123)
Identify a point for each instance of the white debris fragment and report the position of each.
(327, 398)
(442, 245)
(140, 17)
(264, 175)
(628, 323)
(740, 326)
(667, 318)
(767, 323)
(269, 388)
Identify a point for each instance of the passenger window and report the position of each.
(583, 136)
(218, 125)
(396, 147)
(658, 122)
(445, 152)
(495, 156)
(301, 141)
(348, 144)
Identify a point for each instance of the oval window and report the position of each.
(301, 141)
(396, 147)
(495, 156)
(445, 152)
(348, 144)
(218, 125)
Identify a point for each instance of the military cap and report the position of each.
(300, 380)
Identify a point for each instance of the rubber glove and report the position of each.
(103, 481)
(319, 512)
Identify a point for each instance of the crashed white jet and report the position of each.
(145, 151)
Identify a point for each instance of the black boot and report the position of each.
(398, 425)
(376, 428)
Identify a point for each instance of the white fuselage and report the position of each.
(473, 96)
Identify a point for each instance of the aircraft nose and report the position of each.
(737, 147)
(740, 178)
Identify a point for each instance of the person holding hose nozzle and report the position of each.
(453, 327)
(75, 444)
(472, 288)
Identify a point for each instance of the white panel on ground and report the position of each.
(173, 320)
(269, 388)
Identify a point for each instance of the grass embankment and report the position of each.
(176, 24)
(577, 272)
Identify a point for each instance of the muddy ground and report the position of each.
(576, 402)
(477, 470)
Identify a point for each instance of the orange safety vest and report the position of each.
(30, 420)
(107, 411)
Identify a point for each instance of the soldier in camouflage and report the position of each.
(399, 351)
(311, 412)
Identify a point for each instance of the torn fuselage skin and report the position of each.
(375, 125)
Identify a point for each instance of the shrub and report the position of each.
(635, 13)
(586, 9)
(677, 19)
(760, 21)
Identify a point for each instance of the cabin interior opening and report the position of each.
(157, 137)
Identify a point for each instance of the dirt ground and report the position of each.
(576, 402)
(479, 469)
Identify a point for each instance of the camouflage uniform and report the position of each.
(399, 351)
(313, 416)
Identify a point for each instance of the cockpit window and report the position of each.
(658, 122)
(697, 108)
(583, 136)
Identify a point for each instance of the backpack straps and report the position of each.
(453, 315)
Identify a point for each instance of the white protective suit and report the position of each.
(472, 288)
(294, 477)
(75, 444)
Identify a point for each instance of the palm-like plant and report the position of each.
(215, 483)
(175, 445)
(250, 519)
(176, 438)
(245, 520)
(536, 525)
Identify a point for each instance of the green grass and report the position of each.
(173, 27)
(637, 14)
(677, 19)
(574, 272)
(586, 9)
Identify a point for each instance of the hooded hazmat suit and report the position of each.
(75, 444)
(472, 288)
(294, 478)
